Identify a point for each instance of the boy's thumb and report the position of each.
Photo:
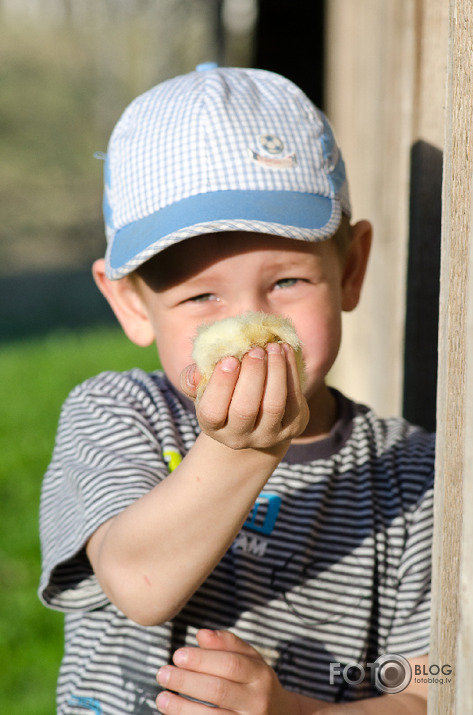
(189, 380)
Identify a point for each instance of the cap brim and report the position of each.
(284, 213)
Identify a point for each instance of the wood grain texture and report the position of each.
(452, 577)
(385, 94)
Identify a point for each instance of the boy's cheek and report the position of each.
(175, 354)
(321, 346)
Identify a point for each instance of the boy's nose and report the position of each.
(252, 304)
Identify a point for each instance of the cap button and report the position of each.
(204, 66)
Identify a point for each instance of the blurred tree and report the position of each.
(68, 68)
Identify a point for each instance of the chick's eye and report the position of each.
(286, 282)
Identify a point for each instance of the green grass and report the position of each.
(36, 376)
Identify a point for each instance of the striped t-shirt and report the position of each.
(331, 566)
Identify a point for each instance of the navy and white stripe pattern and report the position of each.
(333, 565)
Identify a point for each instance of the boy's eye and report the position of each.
(202, 297)
(286, 282)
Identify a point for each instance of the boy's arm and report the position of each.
(152, 557)
(232, 675)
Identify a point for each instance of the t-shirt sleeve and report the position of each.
(409, 633)
(106, 456)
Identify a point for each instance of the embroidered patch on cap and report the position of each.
(274, 147)
(271, 144)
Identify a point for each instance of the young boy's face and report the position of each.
(214, 276)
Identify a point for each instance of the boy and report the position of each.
(287, 531)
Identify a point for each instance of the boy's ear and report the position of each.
(127, 304)
(355, 264)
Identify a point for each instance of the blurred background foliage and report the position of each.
(65, 78)
(68, 68)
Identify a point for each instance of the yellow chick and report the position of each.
(236, 336)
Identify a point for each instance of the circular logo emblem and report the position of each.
(271, 144)
(393, 673)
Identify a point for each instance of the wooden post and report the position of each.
(385, 94)
(452, 622)
(369, 89)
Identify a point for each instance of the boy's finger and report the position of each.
(213, 406)
(189, 380)
(221, 654)
(202, 686)
(275, 395)
(234, 667)
(224, 640)
(296, 405)
(246, 399)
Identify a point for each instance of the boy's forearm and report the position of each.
(153, 556)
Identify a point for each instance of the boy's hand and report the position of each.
(257, 404)
(226, 672)
(230, 675)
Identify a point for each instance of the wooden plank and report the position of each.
(371, 60)
(452, 622)
(386, 65)
(464, 691)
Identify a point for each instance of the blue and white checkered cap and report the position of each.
(225, 149)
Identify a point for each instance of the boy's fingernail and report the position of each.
(162, 700)
(229, 364)
(190, 374)
(274, 348)
(181, 656)
(257, 353)
(163, 675)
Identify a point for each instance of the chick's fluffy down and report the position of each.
(236, 336)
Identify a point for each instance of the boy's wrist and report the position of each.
(266, 458)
